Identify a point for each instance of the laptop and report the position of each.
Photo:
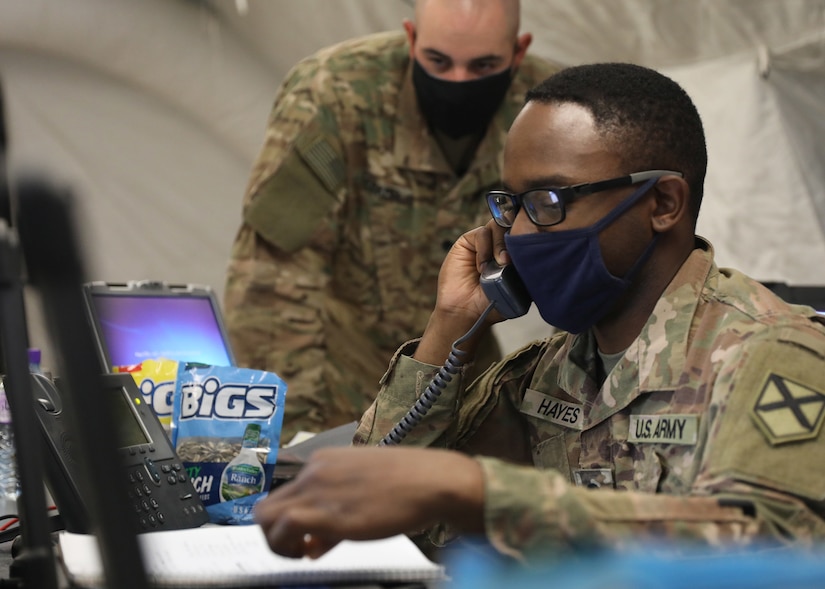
(811, 295)
(145, 320)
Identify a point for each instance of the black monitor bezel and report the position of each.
(146, 289)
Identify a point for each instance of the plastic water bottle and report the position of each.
(34, 361)
(244, 475)
(9, 483)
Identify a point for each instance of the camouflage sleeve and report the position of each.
(757, 480)
(272, 301)
(278, 271)
(531, 511)
(300, 171)
(460, 416)
(402, 385)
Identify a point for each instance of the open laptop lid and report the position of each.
(137, 321)
(811, 295)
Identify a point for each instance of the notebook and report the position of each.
(137, 321)
(239, 556)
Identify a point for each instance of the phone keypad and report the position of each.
(149, 482)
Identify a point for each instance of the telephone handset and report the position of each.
(504, 288)
(508, 296)
(161, 494)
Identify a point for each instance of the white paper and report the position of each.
(227, 555)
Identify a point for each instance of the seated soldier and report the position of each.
(683, 401)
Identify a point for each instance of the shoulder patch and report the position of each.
(788, 411)
(322, 159)
(289, 205)
(767, 430)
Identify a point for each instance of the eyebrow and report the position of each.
(436, 53)
(492, 57)
(543, 182)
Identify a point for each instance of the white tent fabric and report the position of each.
(153, 111)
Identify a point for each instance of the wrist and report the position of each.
(461, 500)
(443, 329)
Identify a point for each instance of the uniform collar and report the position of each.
(644, 367)
(677, 307)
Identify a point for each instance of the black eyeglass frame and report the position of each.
(566, 194)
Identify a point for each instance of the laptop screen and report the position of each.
(142, 321)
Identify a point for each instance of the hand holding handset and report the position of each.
(504, 287)
(509, 297)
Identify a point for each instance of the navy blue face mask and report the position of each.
(565, 274)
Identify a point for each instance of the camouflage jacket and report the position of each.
(710, 425)
(349, 211)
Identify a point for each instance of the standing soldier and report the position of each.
(377, 156)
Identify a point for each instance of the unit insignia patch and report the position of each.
(787, 411)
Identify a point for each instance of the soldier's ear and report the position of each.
(672, 195)
(409, 28)
(522, 43)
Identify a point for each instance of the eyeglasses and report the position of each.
(546, 206)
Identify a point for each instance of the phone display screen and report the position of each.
(128, 428)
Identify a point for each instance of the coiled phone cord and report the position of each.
(445, 374)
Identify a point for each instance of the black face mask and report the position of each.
(459, 108)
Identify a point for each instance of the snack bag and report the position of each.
(156, 380)
(226, 429)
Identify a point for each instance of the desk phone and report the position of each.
(161, 494)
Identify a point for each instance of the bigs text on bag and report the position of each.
(226, 428)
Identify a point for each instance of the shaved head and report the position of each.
(466, 39)
(469, 14)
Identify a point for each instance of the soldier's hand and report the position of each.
(458, 279)
(460, 300)
(362, 493)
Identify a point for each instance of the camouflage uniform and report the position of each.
(710, 423)
(349, 212)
